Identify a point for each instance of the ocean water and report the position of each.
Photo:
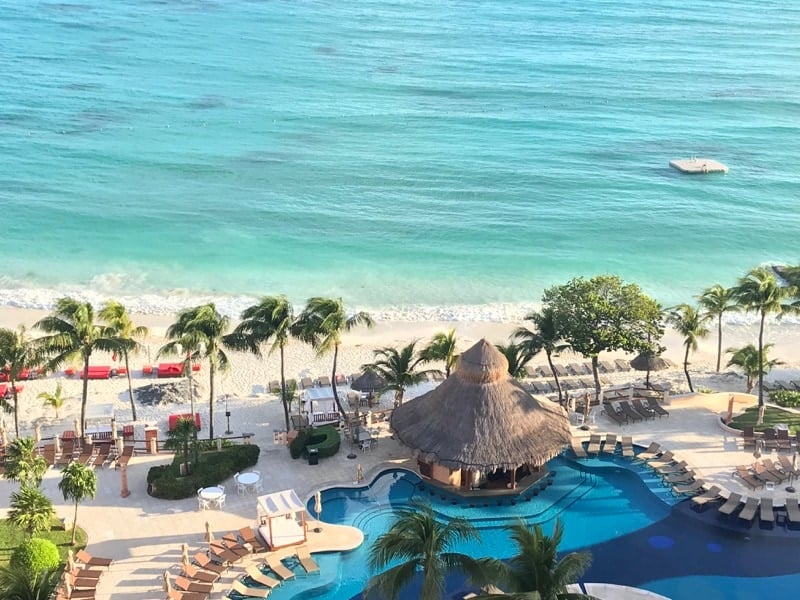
(416, 158)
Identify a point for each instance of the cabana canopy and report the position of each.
(282, 519)
(320, 405)
(481, 418)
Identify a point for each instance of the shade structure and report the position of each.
(482, 418)
(649, 362)
(368, 381)
(282, 519)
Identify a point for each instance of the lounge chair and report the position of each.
(179, 595)
(628, 411)
(748, 478)
(193, 586)
(251, 537)
(731, 504)
(530, 371)
(666, 458)
(786, 465)
(770, 438)
(205, 562)
(606, 366)
(308, 563)
(579, 369)
(617, 416)
(693, 488)
(651, 452)
(306, 383)
(748, 513)
(125, 457)
(709, 496)
(653, 404)
(784, 443)
(610, 445)
(749, 437)
(686, 477)
(622, 365)
(776, 470)
(192, 572)
(254, 573)
(276, 566)
(82, 583)
(92, 561)
(792, 510)
(223, 554)
(561, 370)
(231, 542)
(324, 381)
(577, 448)
(647, 413)
(594, 444)
(766, 475)
(679, 467)
(249, 592)
(86, 573)
(627, 447)
(274, 387)
(766, 513)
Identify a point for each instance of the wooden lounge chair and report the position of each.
(86, 573)
(193, 586)
(770, 438)
(205, 562)
(679, 467)
(579, 369)
(748, 478)
(610, 445)
(622, 365)
(647, 413)
(784, 443)
(748, 513)
(693, 488)
(124, 458)
(627, 447)
(765, 474)
(765, 512)
(731, 504)
(249, 592)
(709, 496)
(749, 436)
(231, 541)
(92, 561)
(306, 383)
(218, 551)
(179, 595)
(251, 537)
(685, 477)
(651, 452)
(308, 563)
(324, 381)
(276, 566)
(577, 448)
(561, 370)
(653, 405)
(594, 444)
(82, 583)
(192, 572)
(606, 366)
(775, 470)
(793, 510)
(786, 465)
(254, 573)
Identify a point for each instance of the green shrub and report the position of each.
(785, 398)
(298, 445)
(35, 555)
(326, 440)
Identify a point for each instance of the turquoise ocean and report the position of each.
(417, 158)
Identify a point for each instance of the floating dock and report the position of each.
(698, 165)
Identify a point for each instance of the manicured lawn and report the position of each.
(772, 416)
(10, 538)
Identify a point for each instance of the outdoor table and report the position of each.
(248, 479)
(213, 493)
(363, 436)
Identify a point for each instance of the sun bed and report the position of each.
(747, 478)
(254, 573)
(594, 444)
(617, 416)
(561, 370)
(124, 458)
(673, 478)
(787, 467)
(579, 369)
(647, 413)
(276, 566)
(610, 445)
(577, 448)
(249, 592)
(205, 562)
(220, 552)
(748, 513)
(709, 496)
(82, 583)
(193, 586)
(192, 572)
(793, 510)
(749, 437)
(622, 365)
(775, 470)
(179, 595)
(629, 413)
(92, 561)
(165, 370)
(784, 443)
(250, 537)
(308, 563)
(693, 488)
(730, 505)
(770, 439)
(231, 542)
(653, 404)
(651, 452)
(666, 458)
(173, 420)
(765, 511)
(669, 469)
(765, 474)
(627, 447)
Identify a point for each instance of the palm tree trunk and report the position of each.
(333, 382)
(283, 392)
(85, 393)
(130, 386)
(686, 368)
(74, 523)
(16, 406)
(719, 340)
(211, 371)
(761, 360)
(555, 376)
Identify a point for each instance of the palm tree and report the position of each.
(517, 355)
(322, 323)
(73, 332)
(17, 353)
(398, 369)
(536, 570)
(546, 336)
(120, 325)
(78, 482)
(691, 324)
(420, 544)
(199, 331)
(16, 583)
(23, 464)
(271, 319)
(442, 347)
(179, 438)
(746, 358)
(759, 291)
(31, 510)
(718, 300)
(55, 400)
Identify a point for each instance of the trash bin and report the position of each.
(313, 456)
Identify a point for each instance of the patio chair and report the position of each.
(579, 369)
(690, 489)
(82, 583)
(577, 448)
(610, 445)
(748, 513)
(204, 561)
(274, 387)
(766, 475)
(86, 573)
(787, 467)
(784, 443)
(92, 561)
(249, 536)
(709, 496)
(324, 381)
(766, 512)
(776, 470)
(202, 503)
(651, 452)
(192, 572)
(561, 370)
(193, 586)
(254, 573)
(249, 592)
(606, 366)
(627, 447)
(770, 438)
(749, 437)
(306, 383)
(748, 478)
(308, 563)
(594, 444)
(124, 458)
(219, 502)
(792, 510)
(731, 504)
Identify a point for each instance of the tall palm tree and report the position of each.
(517, 355)
(17, 583)
(54, 400)
(199, 331)
(322, 323)
(180, 437)
(442, 347)
(536, 568)
(546, 336)
(120, 325)
(691, 324)
(73, 332)
(759, 291)
(716, 301)
(17, 353)
(78, 482)
(31, 510)
(23, 464)
(271, 319)
(419, 544)
(746, 358)
(398, 368)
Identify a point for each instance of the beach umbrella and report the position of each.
(368, 381)
(209, 534)
(794, 462)
(67, 586)
(318, 504)
(77, 425)
(70, 561)
(57, 443)
(113, 429)
(730, 409)
(185, 553)
(167, 583)
(37, 433)
(649, 362)
(359, 474)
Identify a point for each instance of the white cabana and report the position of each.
(99, 420)
(320, 406)
(282, 519)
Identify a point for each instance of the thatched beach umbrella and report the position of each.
(209, 534)
(368, 381)
(481, 418)
(167, 583)
(649, 362)
(185, 553)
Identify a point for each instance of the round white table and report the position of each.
(212, 493)
(247, 478)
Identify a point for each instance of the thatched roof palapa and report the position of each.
(649, 362)
(368, 381)
(482, 418)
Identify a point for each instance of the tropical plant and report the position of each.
(716, 301)
(271, 319)
(517, 355)
(398, 368)
(418, 543)
(17, 353)
(322, 323)
(746, 358)
(442, 347)
(536, 570)
(691, 324)
(23, 465)
(73, 332)
(34, 555)
(55, 400)
(760, 292)
(180, 437)
(546, 336)
(78, 482)
(17, 584)
(31, 510)
(120, 325)
(199, 332)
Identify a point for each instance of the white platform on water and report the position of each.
(696, 165)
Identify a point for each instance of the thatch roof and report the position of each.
(648, 362)
(369, 381)
(480, 417)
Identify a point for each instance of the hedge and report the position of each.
(35, 555)
(785, 398)
(325, 439)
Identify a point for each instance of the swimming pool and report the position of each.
(638, 533)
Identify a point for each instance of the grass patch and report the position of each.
(772, 416)
(11, 537)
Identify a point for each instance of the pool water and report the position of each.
(638, 532)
